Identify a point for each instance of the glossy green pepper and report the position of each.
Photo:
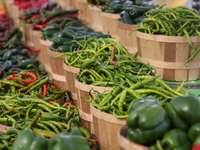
(197, 140)
(72, 141)
(39, 143)
(194, 131)
(23, 140)
(139, 101)
(147, 123)
(176, 139)
(183, 111)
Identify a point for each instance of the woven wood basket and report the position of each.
(85, 14)
(128, 41)
(69, 73)
(96, 22)
(106, 127)
(84, 107)
(110, 24)
(36, 38)
(4, 128)
(70, 4)
(168, 55)
(126, 144)
(46, 61)
(57, 71)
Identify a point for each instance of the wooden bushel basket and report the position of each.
(128, 41)
(125, 143)
(28, 34)
(168, 55)
(96, 22)
(70, 81)
(106, 127)
(85, 14)
(15, 15)
(110, 24)
(70, 4)
(57, 72)
(4, 128)
(84, 107)
(36, 38)
(46, 61)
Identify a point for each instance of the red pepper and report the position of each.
(112, 57)
(44, 90)
(30, 48)
(25, 17)
(196, 147)
(2, 40)
(0, 73)
(67, 103)
(50, 102)
(29, 74)
(53, 84)
(11, 78)
(36, 16)
(38, 26)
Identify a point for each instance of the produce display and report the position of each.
(119, 99)
(38, 114)
(133, 14)
(179, 126)
(71, 38)
(172, 21)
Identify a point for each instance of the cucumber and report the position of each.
(24, 63)
(64, 48)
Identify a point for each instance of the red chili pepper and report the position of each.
(2, 40)
(114, 63)
(50, 102)
(196, 147)
(112, 54)
(53, 84)
(92, 140)
(44, 90)
(0, 73)
(36, 16)
(67, 103)
(38, 26)
(30, 48)
(29, 74)
(25, 17)
(11, 78)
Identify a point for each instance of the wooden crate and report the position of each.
(168, 55)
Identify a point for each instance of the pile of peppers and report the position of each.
(172, 21)
(96, 48)
(65, 40)
(119, 99)
(48, 131)
(49, 14)
(176, 126)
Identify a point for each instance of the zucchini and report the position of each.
(139, 9)
(54, 47)
(138, 2)
(64, 48)
(24, 63)
(50, 33)
(82, 37)
(127, 18)
(68, 33)
(14, 61)
(60, 40)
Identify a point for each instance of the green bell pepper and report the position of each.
(73, 141)
(175, 139)
(194, 131)
(197, 140)
(39, 143)
(139, 101)
(183, 111)
(23, 140)
(147, 123)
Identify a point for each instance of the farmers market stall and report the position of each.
(99, 74)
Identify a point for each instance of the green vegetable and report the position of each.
(68, 33)
(24, 63)
(194, 131)
(183, 111)
(176, 139)
(147, 123)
